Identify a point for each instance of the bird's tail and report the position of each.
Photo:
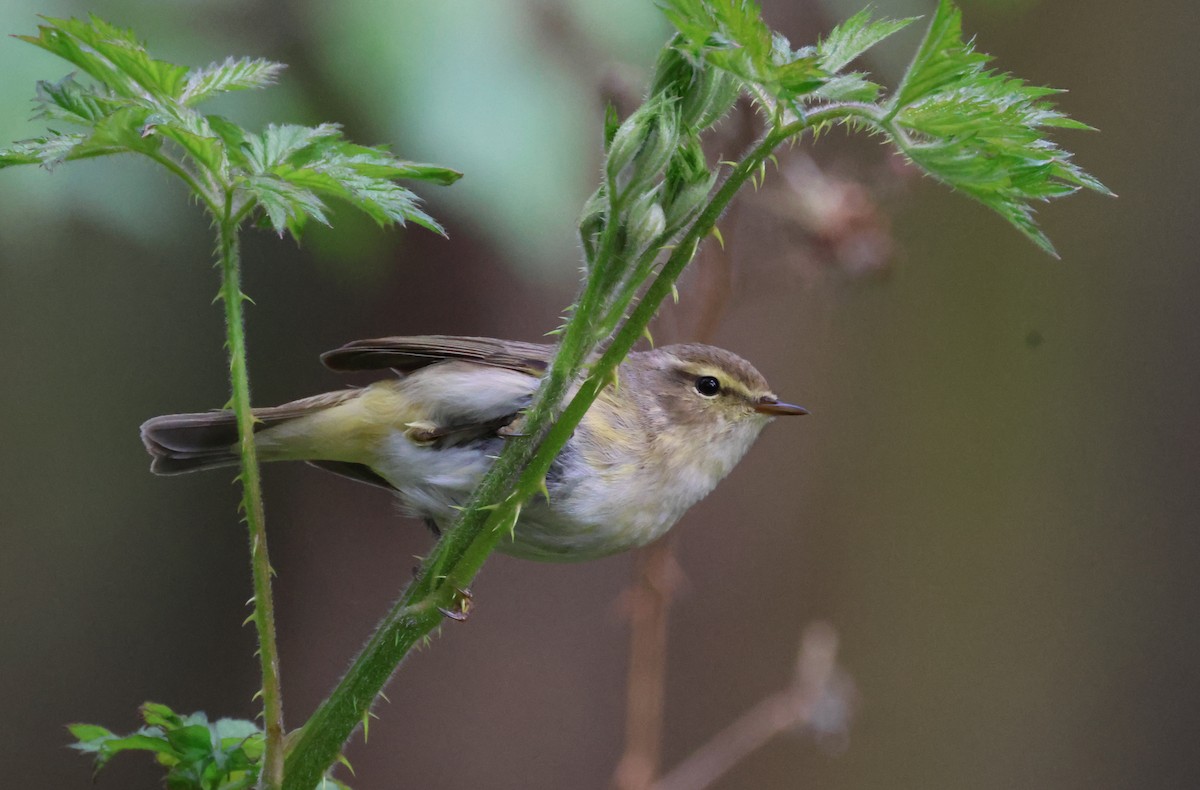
(181, 443)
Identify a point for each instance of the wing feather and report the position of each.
(406, 354)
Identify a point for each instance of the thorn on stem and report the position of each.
(460, 604)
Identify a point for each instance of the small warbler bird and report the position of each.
(647, 450)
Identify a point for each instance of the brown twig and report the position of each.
(656, 574)
(820, 697)
(648, 600)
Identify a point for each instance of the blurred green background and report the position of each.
(995, 501)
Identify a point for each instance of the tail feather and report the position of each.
(181, 443)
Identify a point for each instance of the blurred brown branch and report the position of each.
(820, 699)
(656, 574)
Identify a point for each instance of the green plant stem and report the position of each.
(517, 476)
(252, 502)
(419, 610)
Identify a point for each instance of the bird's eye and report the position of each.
(708, 386)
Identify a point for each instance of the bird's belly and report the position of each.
(432, 481)
(587, 516)
(596, 513)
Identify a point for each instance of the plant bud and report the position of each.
(591, 223)
(674, 72)
(720, 91)
(703, 93)
(626, 142)
(660, 146)
(689, 199)
(688, 182)
(647, 221)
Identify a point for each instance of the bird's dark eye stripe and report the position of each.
(708, 386)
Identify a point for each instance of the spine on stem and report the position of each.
(252, 504)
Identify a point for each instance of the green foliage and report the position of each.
(844, 44)
(281, 177)
(852, 38)
(980, 131)
(731, 35)
(137, 104)
(197, 753)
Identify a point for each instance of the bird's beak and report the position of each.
(772, 406)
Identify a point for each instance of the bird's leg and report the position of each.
(423, 432)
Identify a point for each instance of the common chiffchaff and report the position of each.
(648, 449)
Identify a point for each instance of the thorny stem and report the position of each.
(252, 502)
(516, 477)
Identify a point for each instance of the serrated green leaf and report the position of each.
(313, 180)
(60, 43)
(157, 714)
(798, 77)
(731, 35)
(364, 181)
(140, 102)
(207, 151)
(122, 130)
(417, 171)
(280, 143)
(853, 86)
(240, 729)
(48, 152)
(234, 74)
(190, 742)
(234, 137)
(941, 60)
(67, 100)
(385, 202)
(283, 202)
(982, 131)
(852, 38)
(392, 169)
(143, 740)
(137, 74)
(224, 755)
(88, 735)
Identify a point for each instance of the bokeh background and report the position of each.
(994, 503)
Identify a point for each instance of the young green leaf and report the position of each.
(282, 143)
(981, 131)
(231, 75)
(199, 755)
(283, 202)
(68, 100)
(207, 150)
(853, 86)
(139, 102)
(855, 36)
(113, 56)
(731, 35)
(86, 734)
(47, 151)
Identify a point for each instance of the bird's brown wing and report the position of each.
(406, 354)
